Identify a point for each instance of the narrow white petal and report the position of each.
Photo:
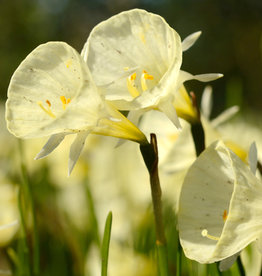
(225, 115)
(53, 142)
(190, 40)
(207, 77)
(206, 102)
(185, 76)
(169, 110)
(75, 149)
(228, 262)
(252, 158)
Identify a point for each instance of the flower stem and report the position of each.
(197, 130)
(178, 259)
(240, 266)
(150, 156)
(198, 137)
(27, 192)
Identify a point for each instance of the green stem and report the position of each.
(178, 258)
(197, 130)
(240, 266)
(24, 260)
(150, 156)
(198, 135)
(31, 207)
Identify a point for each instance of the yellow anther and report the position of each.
(133, 76)
(145, 76)
(65, 101)
(49, 104)
(47, 110)
(131, 85)
(204, 233)
(225, 216)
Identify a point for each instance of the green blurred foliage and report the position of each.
(230, 42)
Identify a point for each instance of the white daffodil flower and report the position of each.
(135, 59)
(220, 209)
(52, 93)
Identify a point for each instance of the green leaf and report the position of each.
(105, 244)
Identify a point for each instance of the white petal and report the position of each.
(190, 40)
(216, 183)
(252, 158)
(206, 102)
(53, 142)
(75, 149)
(228, 262)
(34, 107)
(169, 110)
(132, 40)
(207, 77)
(185, 76)
(225, 116)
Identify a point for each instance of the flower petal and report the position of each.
(228, 262)
(225, 116)
(131, 41)
(206, 102)
(222, 196)
(190, 40)
(50, 82)
(169, 110)
(53, 142)
(75, 149)
(185, 76)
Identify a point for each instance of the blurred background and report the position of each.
(230, 43)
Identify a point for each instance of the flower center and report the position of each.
(132, 85)
(47, 107)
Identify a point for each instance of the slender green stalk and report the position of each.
(26, 190)
(93, 218)
(105, 244)
(219, 273)
(178, 258)
(150, 156)
(197, 130)
(240, 266)
(198, 135)
(24, 259)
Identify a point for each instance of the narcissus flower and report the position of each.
(52, 93)
(135, 59)
(220, 209)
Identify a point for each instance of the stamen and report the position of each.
(225, 216)
(47, 110)
(145, 76)
(204, 233)
(65, 101)
(131, 85)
